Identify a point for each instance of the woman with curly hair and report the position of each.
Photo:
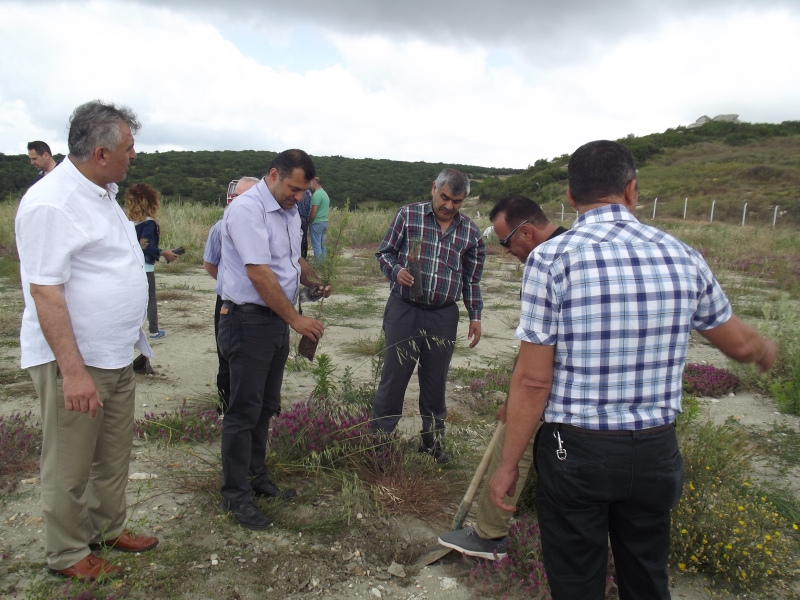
(141, 205)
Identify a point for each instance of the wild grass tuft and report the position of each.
(186, 425)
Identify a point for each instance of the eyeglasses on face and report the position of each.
(506, 241)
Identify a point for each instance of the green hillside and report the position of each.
(731, 163)
(204, 176)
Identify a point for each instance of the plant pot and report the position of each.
(307, 347)
(416, 272)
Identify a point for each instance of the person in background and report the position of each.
(520, 225)
(141, 205)
(318, 219)
(422, 330)
(607, 310)
(304, 209)
(212, 257)
(85, 292)
(41, 157)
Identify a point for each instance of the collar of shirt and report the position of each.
(604, 214)
(110, 190)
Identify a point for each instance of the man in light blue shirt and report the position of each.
(260, 278)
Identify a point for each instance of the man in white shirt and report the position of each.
(85, 292)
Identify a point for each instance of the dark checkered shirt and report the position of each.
(451, 262)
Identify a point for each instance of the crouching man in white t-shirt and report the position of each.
(85, 299)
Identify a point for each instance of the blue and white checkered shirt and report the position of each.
(213, 251)
(618, 299)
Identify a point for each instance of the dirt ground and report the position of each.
(204, 554)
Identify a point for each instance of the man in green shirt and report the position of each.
(318, 219)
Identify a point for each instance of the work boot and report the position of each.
(432, 444)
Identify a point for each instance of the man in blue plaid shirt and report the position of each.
(607, 309)
(422, 328)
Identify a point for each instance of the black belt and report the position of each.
(625, 432)
(421, 305)
(247, 308)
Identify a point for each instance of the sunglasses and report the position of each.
(506, 241)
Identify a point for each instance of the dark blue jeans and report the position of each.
(256, 346)
(620, 487)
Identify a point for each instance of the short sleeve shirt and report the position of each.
(212, 253)
(618, 300)
(255, 230)
(321, 200)
(72, 233)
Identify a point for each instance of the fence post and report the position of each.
(713, 202)
(685, 204)
(562, 213)
(744, 213)
(655, 203)
(775, 216)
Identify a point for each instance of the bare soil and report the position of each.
(204, 554)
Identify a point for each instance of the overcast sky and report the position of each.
(500, 83)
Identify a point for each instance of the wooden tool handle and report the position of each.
(466, 503)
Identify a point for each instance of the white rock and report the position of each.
(214, 563)
(375, 592)
(488, 231)
(448, 583)
(359, 516)
(31, 480)
(731, 395)
(141, 476)
(396, 569)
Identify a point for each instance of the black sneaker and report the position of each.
(267, 490)
(467, 541)
(247, 515)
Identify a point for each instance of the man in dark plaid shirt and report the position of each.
(422, 328)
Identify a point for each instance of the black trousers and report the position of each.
(304, 241)
(414, 334)
(152, 303)
(223, 371)
(620, 487)
(256, 346)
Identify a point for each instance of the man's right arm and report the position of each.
(390, 248)
(211, 268)
(743, 343)
(80, 391)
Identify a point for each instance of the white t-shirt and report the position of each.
(72, 232)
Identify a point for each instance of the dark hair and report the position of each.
(289, 160)
(39, 147)
(141, 201)
(517, 209)
(600, 170)
(456, 181)
(95, 124)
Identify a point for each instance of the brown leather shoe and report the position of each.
(131, 542)
(89, 568)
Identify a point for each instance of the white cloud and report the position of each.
(407, 99)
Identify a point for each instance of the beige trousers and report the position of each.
(493, 522)
(85, 461)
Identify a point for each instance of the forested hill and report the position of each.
(729, 163)
(204, 176)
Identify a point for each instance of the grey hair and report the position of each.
(456, 181)
(253, 179)
(96, 124)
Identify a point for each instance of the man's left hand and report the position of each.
(474, 333)
(503, 483)
(325, 289)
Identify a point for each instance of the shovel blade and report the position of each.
(432, 555)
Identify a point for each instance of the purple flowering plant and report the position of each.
(20, 439)
(317, 424)
(184, 425)
(707, 380)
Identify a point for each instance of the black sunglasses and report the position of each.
(506, 241)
